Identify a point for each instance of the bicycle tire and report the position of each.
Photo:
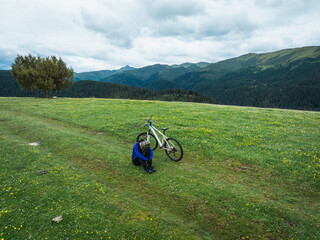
(177, 147)
(153, 141)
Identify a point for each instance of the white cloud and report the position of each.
(108, 34)
(162, 10)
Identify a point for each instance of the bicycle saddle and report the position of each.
(164, 129)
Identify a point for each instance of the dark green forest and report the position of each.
(87, 88)
(294, 86)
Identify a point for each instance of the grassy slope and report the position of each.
(263, 59)
(214, 71)
(247, 172)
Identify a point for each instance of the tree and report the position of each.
(37, 73)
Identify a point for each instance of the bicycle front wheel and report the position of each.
(152, 139)
(173, 149)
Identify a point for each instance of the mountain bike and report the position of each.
(170, 145)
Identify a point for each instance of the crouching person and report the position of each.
(142, 154)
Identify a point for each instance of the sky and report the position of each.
(109, 34)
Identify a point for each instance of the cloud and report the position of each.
(163, 10)
(107, 34)
(112, 21)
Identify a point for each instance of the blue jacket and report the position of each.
(137, 151)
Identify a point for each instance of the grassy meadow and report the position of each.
(247, 173)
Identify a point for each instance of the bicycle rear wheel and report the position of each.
(152, 139)
(173, 149)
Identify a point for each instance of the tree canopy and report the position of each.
(36, 73)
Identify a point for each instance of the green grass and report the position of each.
(247, 173)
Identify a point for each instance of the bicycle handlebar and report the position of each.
(148, 121)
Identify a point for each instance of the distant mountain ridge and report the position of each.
(151, 77)
(98, 75)
(155, 77)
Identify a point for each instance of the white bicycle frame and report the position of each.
(164, 137)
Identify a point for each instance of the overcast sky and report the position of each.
(108, 34)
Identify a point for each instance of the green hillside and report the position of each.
(190, 75)
(247, 173)
(264, 60)
(295, 85)
(288, 78)
(214, 71)
(263, 80)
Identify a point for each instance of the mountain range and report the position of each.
(288, 78)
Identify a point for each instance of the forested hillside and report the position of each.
(295, 85)
(217, 70)
(81, 89)
(288, 78)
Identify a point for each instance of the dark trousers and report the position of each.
(137, 161)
